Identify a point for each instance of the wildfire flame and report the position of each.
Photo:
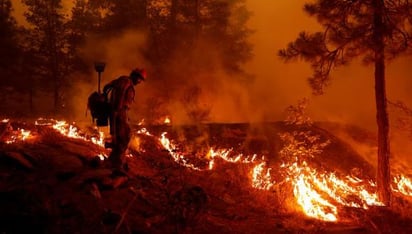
(167, 120)
(403, 185)
(261, 179)
(318, 193)
(102, 156)
(212, 155)
(19, 135)
(224, 154)
(178, 157)
(144, 132)
(71, 131)
(142, 122)
(312, 202)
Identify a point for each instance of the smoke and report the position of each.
(191, 87)
(276, 85)
(121, 55)
(349, 99)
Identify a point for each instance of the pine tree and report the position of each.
(48, 44)
(206, 37)
(181, 25)
(86, 21)
(9, 50)
(125, 14)
(375, 30)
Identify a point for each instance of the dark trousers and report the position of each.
(120, 132)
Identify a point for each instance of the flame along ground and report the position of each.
(318, 194)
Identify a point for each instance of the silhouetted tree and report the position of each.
(125, 14)
(182, 25)
(205, 37)
(173, 26)
(9, 50)
(375, 30)
(226, 24)
(86, 20)
(48, 44)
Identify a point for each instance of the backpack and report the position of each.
(99, 108)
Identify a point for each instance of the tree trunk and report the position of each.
(31, 94)
(383, 173)
(53, 55)
(172, 30)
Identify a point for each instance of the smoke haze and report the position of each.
(276, 85)
(349, 98)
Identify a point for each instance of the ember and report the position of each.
(19, 135)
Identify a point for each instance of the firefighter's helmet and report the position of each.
(138, 74)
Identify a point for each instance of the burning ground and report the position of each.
(223, 178)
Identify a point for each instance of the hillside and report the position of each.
(222, 178)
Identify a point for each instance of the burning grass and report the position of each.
(293, 179)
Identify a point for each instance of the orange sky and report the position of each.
(277, 85)
(351, 94)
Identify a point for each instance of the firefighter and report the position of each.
(120, 95)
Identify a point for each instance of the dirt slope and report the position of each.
(55, 184)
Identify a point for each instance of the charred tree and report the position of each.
(376, 31)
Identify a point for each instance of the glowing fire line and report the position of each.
(309, 185)
(317, 193)
(70, 131)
